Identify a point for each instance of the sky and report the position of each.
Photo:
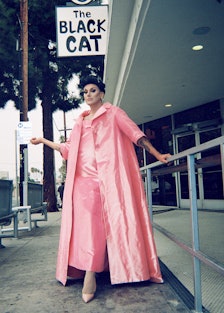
(9, 119)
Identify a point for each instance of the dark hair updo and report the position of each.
(92, 79)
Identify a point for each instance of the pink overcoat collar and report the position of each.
(99, 112)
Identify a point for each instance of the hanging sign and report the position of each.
(81, 31)
(82, 2)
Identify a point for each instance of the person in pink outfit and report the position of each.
(105, 221)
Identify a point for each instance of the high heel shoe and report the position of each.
(89, 287)
(87, 297)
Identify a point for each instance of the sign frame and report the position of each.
(81, 30)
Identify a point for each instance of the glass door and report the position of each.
(211, 177)
(184, 142)
(208, 179)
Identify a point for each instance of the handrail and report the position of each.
(189, 166)
(202, 147)
(199, 163)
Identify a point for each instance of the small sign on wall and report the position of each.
(24, 133)
(81, 31)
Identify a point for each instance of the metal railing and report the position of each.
(193, 250)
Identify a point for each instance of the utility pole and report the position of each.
(24, 58)
(23, 82)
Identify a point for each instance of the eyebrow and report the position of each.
(90, 88)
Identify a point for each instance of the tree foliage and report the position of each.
(44, 66)
(48, 75)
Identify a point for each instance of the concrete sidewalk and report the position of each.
(28, 284)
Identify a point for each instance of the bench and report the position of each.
(34, 211)
(7, 215)
(38, 208)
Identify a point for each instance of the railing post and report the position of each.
(25, 182)
(195, 232)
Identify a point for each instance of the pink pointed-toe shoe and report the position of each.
(89, 287)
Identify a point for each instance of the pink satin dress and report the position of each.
(88, 239)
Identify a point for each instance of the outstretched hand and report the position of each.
(49, 143)
(163, 157)
(36, 141)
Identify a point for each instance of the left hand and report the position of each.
(163, 157)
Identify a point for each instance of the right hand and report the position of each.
(36, 141)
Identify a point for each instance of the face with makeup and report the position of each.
(93, 95)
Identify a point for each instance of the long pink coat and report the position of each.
(130, 243)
